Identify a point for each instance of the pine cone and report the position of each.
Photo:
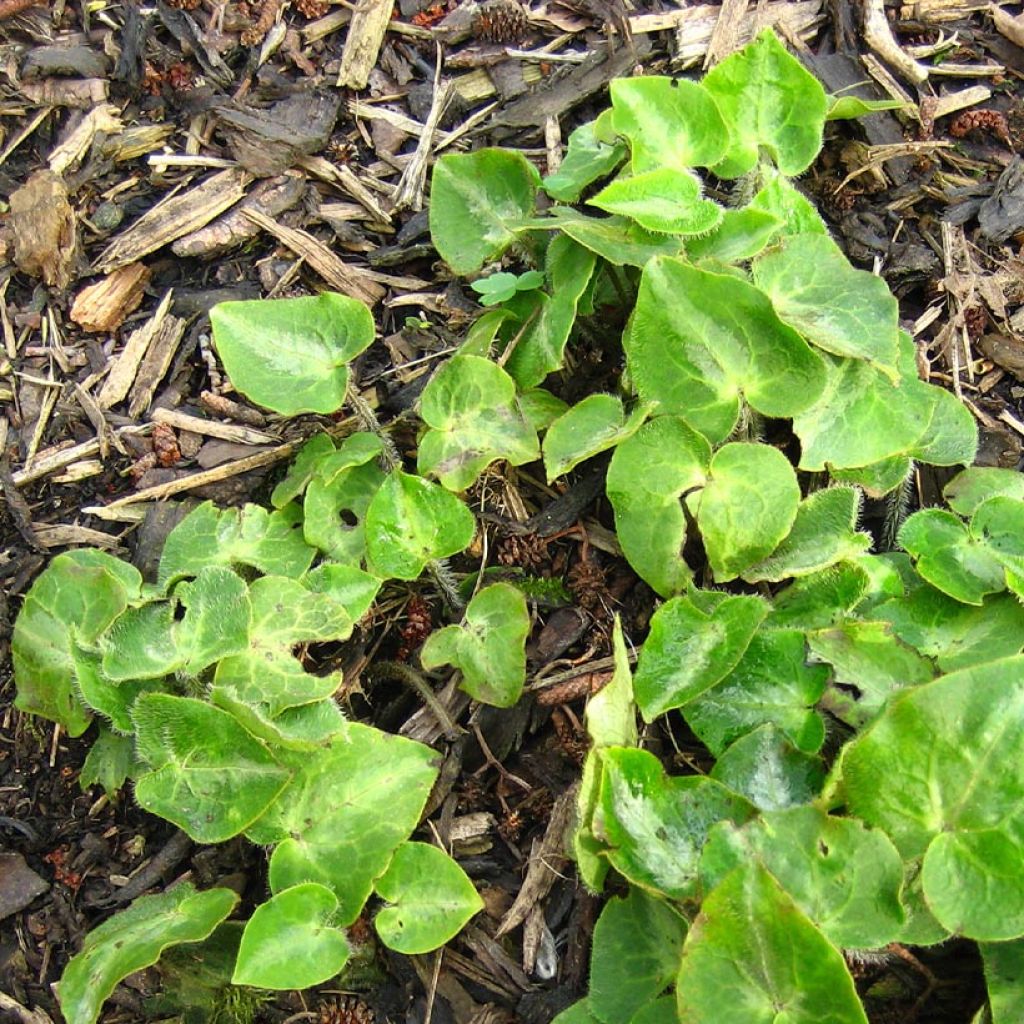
(501, 21)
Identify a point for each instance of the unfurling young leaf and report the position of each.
(500, 287)
(489, 649)
(304, 344)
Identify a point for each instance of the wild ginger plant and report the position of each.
(674, 214)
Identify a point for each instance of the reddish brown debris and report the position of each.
(419, 624)
(9, 8)
(501, 21)
(312, 8)
(585, 685)
(991, 121)
(165, 445)
(255, 35)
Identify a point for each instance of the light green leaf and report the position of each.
(956, 635)
(954, 746)
(844, 108)
(998, 523)
(113, 700)
(590, 427)
(411, 521)
(270, 542)
(431, 899)
(586, 160)
(768, 770)
(823, 533)
(482, 332)
(1004, 976)
(636, 946)
(969, 488)
(667, 200)
(878, 479)
(699, 342)
(619, 240)
(134, 939)
(109, 762)
(947, 555)
(578, 1013)
(301, 471)
(741, 235)
(747, 507)
(871, 665)
(83, 591)
(328, 822)
(290, 943)
(610, 721)
(540, 408)
(689, 650)
(772, 683)
(781, 198)
(648, 474)
(470, 406)
(307, 341)
(669, 122)
(657, 1011)
(307, 727)
(842, 310)
(843, 876)
(769, 101)
(821, 599)
(340, 492)
(209, 777)
(654, 826)
(547, 320)
(477, 201)
(752, 950)
(490, 649)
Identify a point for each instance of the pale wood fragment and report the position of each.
(156, 363)
(45, 229)
(362, 45)
(725, 36)
(1008, 25)
(346, 180)
(63, 454)
(409, 194)
(102, 307)
(345, 278)
(73, 147)
(173, 217)
(212, 428)
(68, 534)
(878, 35)
(122, 375)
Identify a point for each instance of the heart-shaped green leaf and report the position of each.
(954, 745)
(843, 876)
(654, 826)
(950, 557)
(840, 309)
(432, 899)
(289, 942)
(470, 406)
(998, 523)
(592, 426)
(968, 489)
(740, 235)
(412, 521)
(490, 649)
(134, 939)
(668, 200)
(209, 776)
(1004, 969)
(636, 946)
(328, 822)
(619, 240)
(307, 341)
(648, 474)
(477, 200)
(81, 590)
(301, 471)
(699, 342)
(772, 683)
(752, 949)
(747, 507)
(689, 650)
(823, 533)
(782, 199)
(769, 101)
(270, 542)
(669, 122)
(586, 160)
(768, 770)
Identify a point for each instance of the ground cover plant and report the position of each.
(862, 708)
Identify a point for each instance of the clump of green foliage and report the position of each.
(743, 320)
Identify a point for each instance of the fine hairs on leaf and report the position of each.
(668, 317)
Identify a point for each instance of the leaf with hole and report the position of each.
(430, 899)
(134, 939)
(490, 649)
(474, 420)
(307, 341)
(689, 650)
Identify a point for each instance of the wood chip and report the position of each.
(339, 275)
(45, 229)
(363, 42)
(157, 361)
(212, 428)
(725, 36)
(70, 535)
(53, 459)
(74, 145)
(122, 375)
(345, 179)
(101, 308)
(1008, 25)
(174, 217)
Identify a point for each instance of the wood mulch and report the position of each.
(156, 160)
